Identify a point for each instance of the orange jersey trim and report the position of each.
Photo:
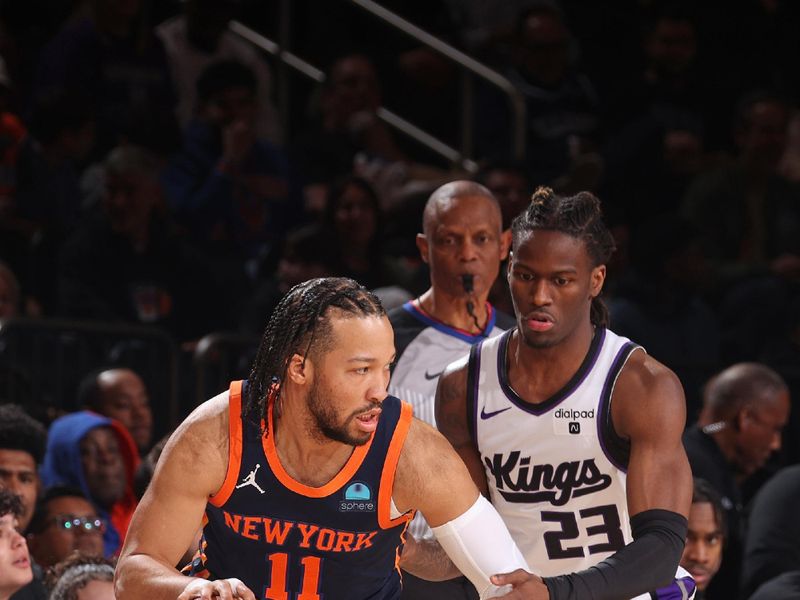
(343, 476)
(234, 445)
(389, 470)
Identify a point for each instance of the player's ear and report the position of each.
(298, 369)
(598, 277)
(422, 246)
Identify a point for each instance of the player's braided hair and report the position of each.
(579, 216)
(300, 324)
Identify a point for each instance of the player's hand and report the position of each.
(224, 589)
(525, 586)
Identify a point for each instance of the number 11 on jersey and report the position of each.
(279, 568)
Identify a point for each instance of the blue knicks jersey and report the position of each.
(288, 541)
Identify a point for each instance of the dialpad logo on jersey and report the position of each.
(567, 421)
(517, 480)
(357, 498)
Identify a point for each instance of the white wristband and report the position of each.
(479, 544)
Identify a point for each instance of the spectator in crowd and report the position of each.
(82, 577)
(347, 124)
(670, 79)
(658, 302)
(62, 129)
(746, 212)
(198, 38)
(745, 408)
(228, 187)
(64, 521)
(22, 447)
(304, 256)
(49, 195)
(461, 237)
(111, 53)
(702, 554)
(509, 183)
(353, 222)
(772, 543)
(650, 164)
(122, 395)
(150, 275)
(562, 106)
(15, 566)
(97, 455)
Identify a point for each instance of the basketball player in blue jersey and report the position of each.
(304, 478)
(573, 432)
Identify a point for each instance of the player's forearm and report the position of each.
(480, 546)
(644, 565)
(426, 559)
(141, 576)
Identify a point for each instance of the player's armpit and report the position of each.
(427, 559)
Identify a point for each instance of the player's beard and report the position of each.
(324, 419)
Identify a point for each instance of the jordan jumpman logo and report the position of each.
(251, 480)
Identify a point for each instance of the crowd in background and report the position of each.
(147, 178)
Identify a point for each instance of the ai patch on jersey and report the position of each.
(567, 421)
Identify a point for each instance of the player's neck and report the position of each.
(538, 373)
(306, 455)
(452, 310)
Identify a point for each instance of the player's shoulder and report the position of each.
(425, 448)
(648, 394)
(207, 427)
(643, 374)
(198, 450)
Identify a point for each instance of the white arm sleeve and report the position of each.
(479, 544)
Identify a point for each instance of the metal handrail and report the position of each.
(274, 48)
(431, 142)
(120, 331)
(516, 99)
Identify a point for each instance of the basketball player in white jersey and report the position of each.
(573, 432)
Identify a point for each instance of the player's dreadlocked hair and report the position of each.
(300, 324)
(578, 216)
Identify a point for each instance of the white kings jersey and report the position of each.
(556, 470)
